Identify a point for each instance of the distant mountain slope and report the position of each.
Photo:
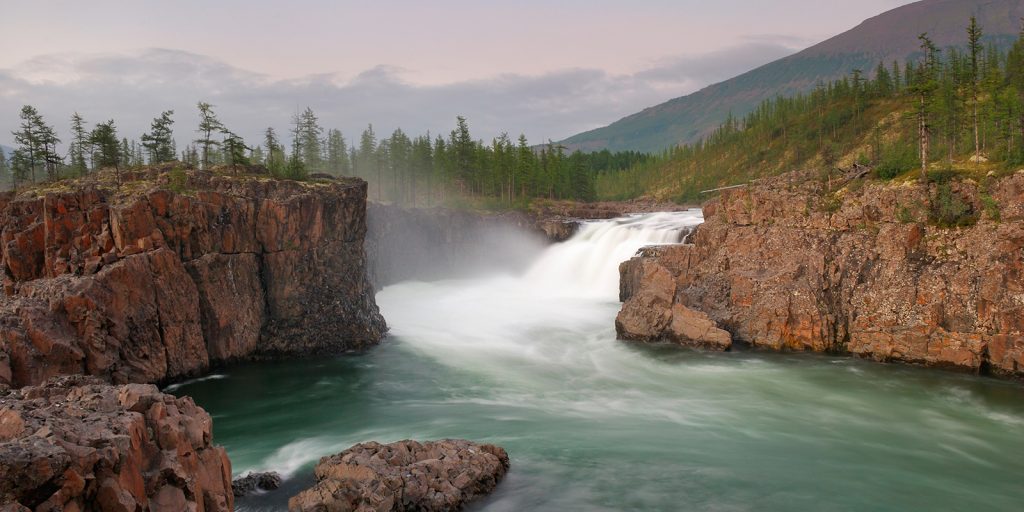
(7, 150)
(889, 36)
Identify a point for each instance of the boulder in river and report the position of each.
(255, 482)
(406, 475)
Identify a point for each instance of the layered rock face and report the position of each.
(148, 285)
(76, 443)
(785, 265)
(407, 475)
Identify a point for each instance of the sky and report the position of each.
(546, 69)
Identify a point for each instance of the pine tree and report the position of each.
(37, 144)
(108, 151)
(925, 84)
(79, 145)
(235, 149)
(306, 143)
(126, 154)
(208, 125)
(159, 142)
(275, 160)
(337, 154)
(974, 34)
(4, 166)
(366, 155)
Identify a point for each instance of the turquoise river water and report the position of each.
(530, 362)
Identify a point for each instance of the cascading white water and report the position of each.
(531, 362)
(588, 263)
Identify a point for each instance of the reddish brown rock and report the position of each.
(152, 285)
(407, 475)
(232, 303)
(77, 444)
(779, 268)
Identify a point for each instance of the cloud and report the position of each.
(132, 89)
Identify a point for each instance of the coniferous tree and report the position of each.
(337, 154)
(159, 142)
(208, 126)
(925, 85)
(306, 140)
(974, 34)
(275, 159)
(37, 143)
(79, 145)
(4, 166)
(235, 149)
(108, 151)
(366, 155)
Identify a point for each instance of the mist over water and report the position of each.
(529, 361)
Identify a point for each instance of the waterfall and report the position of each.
(588, 263)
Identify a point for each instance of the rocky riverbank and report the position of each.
(76, 443)
(165, 275)
(872, 270)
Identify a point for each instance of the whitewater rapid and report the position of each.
(545, 318)
(530, 361)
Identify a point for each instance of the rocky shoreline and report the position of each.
(77, 443)
(109, 289)
(865, 271)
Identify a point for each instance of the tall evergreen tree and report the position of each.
(925, 85)
(974, 48)
(337, 154)
(79, 145)
(108, 151)
(37, 143)
(159, 142)
(208, 126)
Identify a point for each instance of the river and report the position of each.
(530, 362)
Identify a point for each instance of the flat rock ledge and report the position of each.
(77, 444)
(404, 476)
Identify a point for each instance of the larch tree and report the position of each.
(208, 126)
(79, 145)
(924, 86)
(108, 150)
(974, 49)
(159, 142)
(337, 153)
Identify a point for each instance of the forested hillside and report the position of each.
(887, 37)
(969, 102)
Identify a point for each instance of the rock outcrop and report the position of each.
(75, 443)
(143, 284)
(404, 476)
(255, 482)
(784, 264)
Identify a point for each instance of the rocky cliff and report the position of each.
(76, 443)
(167, 274)
(869, 270)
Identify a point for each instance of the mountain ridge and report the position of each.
(883, 38)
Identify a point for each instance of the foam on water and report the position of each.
(531, 362)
